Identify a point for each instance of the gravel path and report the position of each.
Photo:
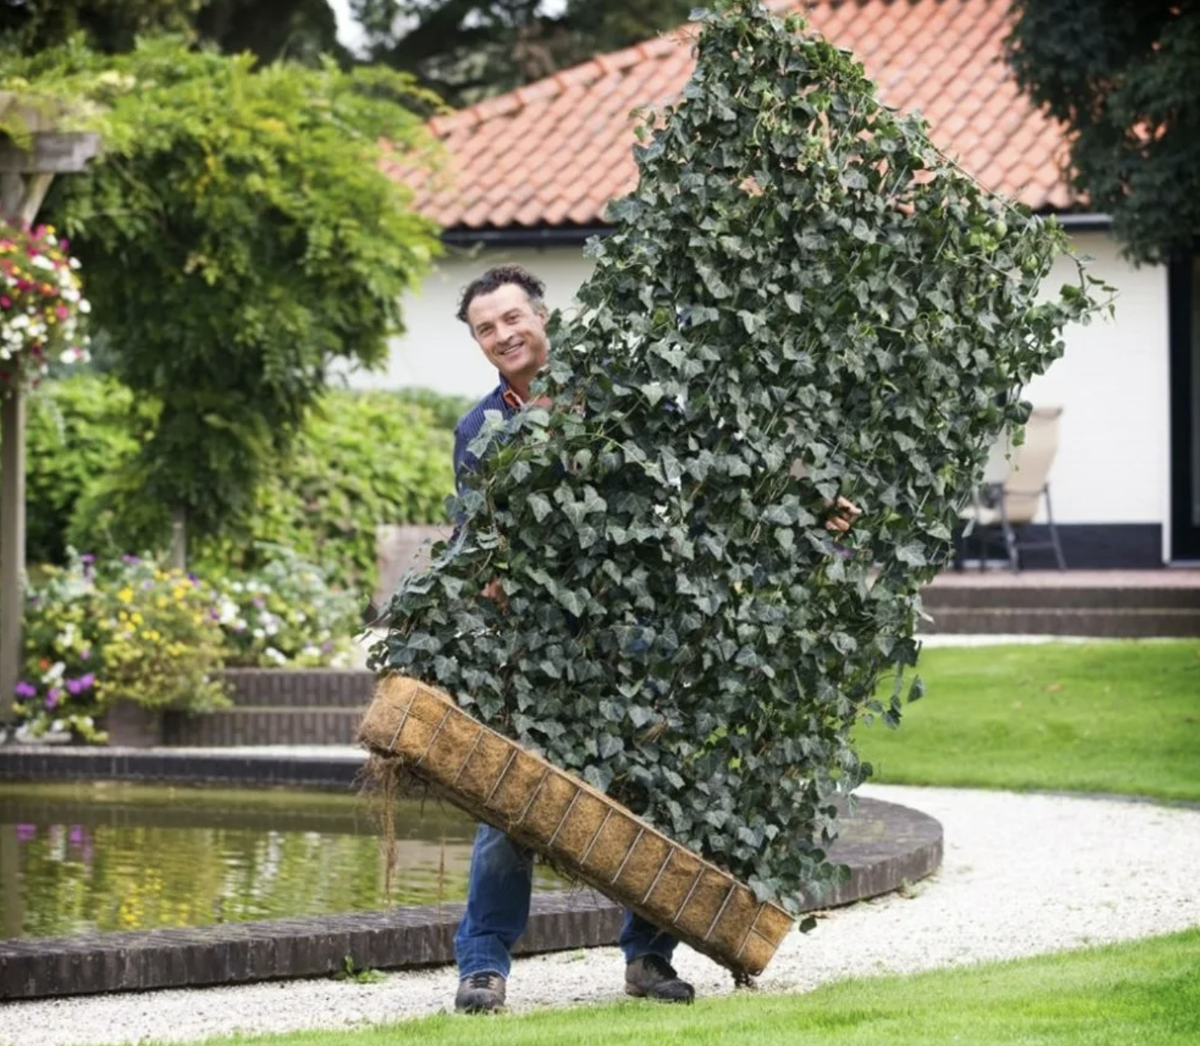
(1023, 874)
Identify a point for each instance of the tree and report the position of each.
(270, 29)
(468, 49)
(801, 299)
(239, 234)
(1122, 77)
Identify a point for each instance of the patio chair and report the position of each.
(1007, 501)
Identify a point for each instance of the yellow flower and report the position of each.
(136, 618)
(125, 595)
(161, 602)
(122, 615)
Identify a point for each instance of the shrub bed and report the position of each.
(366, 458)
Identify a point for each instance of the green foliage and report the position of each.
(239, 234)
(351, 971)
(285, 614)
(802, 299)
(78, 429)
(1122, 77)
(35, 26)
(296, 29)
(362, 459)
(468, 49)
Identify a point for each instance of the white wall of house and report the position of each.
(1112, 382)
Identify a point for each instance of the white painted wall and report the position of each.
(1114, 451)
(1113, 383)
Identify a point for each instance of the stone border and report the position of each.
(897, 846)
(238, 953)
(334, 769)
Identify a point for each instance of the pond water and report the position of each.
(113, 856)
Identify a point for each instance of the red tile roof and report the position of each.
(556, 152)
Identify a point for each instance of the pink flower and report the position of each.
(63, 312)
(5, 303)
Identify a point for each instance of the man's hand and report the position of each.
(495, 592)
(842, 515)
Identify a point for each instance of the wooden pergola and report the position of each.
(27, 168)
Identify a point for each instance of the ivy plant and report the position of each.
(802, 300)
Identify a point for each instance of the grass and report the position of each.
(1146, 993)
(1115, 717)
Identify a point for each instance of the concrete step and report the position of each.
(1064, 597)
(300, 688)
(1122, 622)
(288, 725)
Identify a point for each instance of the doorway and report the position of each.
(1184, 277)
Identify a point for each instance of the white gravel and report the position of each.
(1023, 874)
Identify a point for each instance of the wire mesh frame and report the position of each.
(741, 934)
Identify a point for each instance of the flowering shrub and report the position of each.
(40, 304)
(127, 630)
(285, 614)
(164, 642)
(63, 643)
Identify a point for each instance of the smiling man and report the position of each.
(507, 315)
(506, 311)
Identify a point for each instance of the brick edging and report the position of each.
(177, 765)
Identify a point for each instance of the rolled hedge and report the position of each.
(802, 299)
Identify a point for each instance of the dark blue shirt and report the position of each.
(502, 399)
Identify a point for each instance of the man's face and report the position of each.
(511, 332)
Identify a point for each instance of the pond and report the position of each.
(114, 856)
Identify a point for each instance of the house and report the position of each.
(528, 176)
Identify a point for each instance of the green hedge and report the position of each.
(371, 458)
(78, 430)
(366, 458)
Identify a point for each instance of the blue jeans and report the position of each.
(498, 894)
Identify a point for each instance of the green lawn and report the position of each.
(1097, 717)
(1142, 994)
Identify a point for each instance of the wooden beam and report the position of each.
(12, 549)
(20, 198)
(49, 152)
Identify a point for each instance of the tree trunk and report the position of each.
(179, 538)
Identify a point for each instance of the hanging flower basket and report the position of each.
(41, 305)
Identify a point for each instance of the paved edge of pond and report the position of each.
(335, 767)
(885, 846)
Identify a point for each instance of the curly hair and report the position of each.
(498, 276)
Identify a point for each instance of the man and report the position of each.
(506, 313)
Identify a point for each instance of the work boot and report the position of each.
(480, 993)
(652, 977)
